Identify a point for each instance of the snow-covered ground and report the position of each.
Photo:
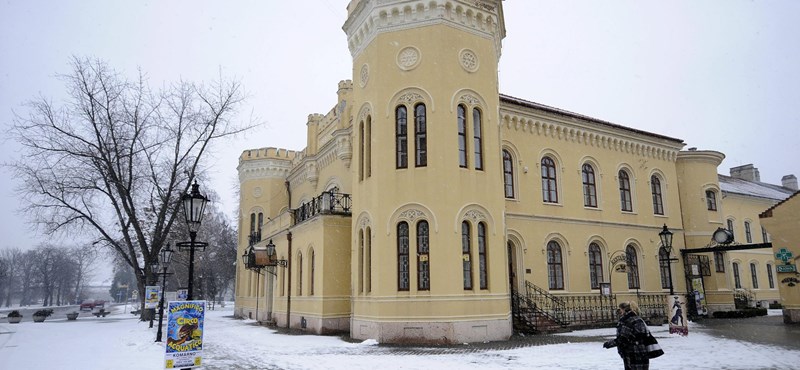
(120, 341)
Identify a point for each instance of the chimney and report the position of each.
(746, 172)
(789, 181)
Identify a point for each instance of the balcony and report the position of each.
(327, 203)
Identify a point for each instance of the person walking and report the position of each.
(631, 331)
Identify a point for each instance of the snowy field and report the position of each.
(120, 341)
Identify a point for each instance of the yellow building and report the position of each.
(427, 207)
(783, 221)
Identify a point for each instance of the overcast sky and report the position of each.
(721, 75)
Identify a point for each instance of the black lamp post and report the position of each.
(193, 205)
(666, 242)
(166, 257)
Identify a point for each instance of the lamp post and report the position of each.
(166, 257)
(193, 205)
(666, 241)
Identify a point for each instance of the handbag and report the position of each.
(652, 347)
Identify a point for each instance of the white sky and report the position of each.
(719, 74)
(120, 341)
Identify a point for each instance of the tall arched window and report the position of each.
(737, 281)
(260, 224)
(368, 144)
(361, 260)
(466, 260)
(730, 225)
(549, 183)
(369, 260)
(770, 279)
(401, 136)
(663, 264)
(420, 136)
(595, 266)
(626, 202)
(311, 273)
(658, 203)
(462, 136)
(361, 150)
(508, 174)
(402, 256)
(589, 186)
(764, 235)
(633, 267)
(483, 276)
(754, 275)
(299, 273)
(252, 223)
(555, 266)
(423, 257)
(747, 234)
(711, 200)
(477, 138)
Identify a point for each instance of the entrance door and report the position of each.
(512, 267)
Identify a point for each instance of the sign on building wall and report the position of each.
(152, 294)
(185, 334)
(678, 323)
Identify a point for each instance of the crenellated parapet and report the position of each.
(265, 163)
(367, 19)
(565, 126)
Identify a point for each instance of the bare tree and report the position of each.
(13, 260)
(113, 162)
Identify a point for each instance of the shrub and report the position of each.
(748, 312)
(775, 305)
(14, 313)
(46, 312)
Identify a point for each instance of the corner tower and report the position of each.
(428, 254)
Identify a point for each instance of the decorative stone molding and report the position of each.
(411, 215)
(409, 58)
(469, 99)
(258, 192)
(410, 98)
(364, 75)
(475, 216)
(468, 60)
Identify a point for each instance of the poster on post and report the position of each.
(184, 347)
(676, 306)
(152, 294)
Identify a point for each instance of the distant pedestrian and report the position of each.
(631, 331)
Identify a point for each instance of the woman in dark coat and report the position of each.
(631, 331)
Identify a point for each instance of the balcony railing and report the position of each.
(327, 203)
(254, 238)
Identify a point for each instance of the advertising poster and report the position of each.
(699, 297)
(151, 296)
(678, 323)
(183, 294)
(184, 347)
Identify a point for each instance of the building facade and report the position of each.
(428, 207)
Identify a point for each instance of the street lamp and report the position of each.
(666, 242)
(166, 257)
(193, 205)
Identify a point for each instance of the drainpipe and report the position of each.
(289, 271)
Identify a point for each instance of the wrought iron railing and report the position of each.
(652, 307)
(254, 238)
(326, 203)
(551, 305)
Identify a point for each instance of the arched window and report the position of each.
(369, 260)
(658, 203)
(401, 136)
(402, 256)
(368, 144)
(595, 266)
(361, 150)
(663, 263)
(633, 267)
(747, 234)
(737, 281)
(711, 200)
(361, 260)
(719, 261)
(311, 273)
(423, 257)
(252, 223)
(730, 225)
(299, 273)
(754, 275)
(549, 184)
(589, 186)
(555, 266)
(508, 174)
(477, 138)
(462, 136)
(420, 136)
(483, 277)
(626, 202)
(764, 235)
(466, 261)
(770, 279)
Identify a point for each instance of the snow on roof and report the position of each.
(753, 188)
